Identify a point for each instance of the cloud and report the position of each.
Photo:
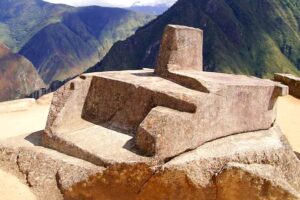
(112, 3)
(154, 2)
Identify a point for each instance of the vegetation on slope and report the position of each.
(154, 10)
(62, 41)
(240, 36)
(18, 76)
(20, 20)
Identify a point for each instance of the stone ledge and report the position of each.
(291, 81)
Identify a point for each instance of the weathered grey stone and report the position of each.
(192, 175)
(45, 171)
(181, 48)
(176, 134)
(253, 182)
(148, 106)
(199, 174)
(204, 172)
(291, 81)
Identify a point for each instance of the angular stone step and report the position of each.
(293, 82)
(98, 145)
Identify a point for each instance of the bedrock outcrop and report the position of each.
(174, 133)
(253, 165)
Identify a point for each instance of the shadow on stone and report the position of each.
(298, 155)
(35, 138)
(146, 74)
(130, 145)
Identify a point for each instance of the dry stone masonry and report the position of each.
(291, 81)
(174, 133)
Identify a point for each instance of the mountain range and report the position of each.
(240, 36)
(153, 10)
(114, 3)
(62, 41)
(18, 76)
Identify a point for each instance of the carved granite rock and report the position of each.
(206, 171)
(253, 182)
(181, 46)
(45, 171)
(247, 161)
(157, 116)
(175, 133)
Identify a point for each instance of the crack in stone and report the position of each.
(147, 181)
(58, 183)
(25, 173)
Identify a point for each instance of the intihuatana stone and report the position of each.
(143, 110)
(176, 133)
(158, 115)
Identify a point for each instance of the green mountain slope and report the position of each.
(240, 36)
(21, 19)
(63, 41)
(18, 76)
(79, 40)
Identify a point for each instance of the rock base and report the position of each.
(254, 165)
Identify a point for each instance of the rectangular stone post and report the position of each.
(181, 49)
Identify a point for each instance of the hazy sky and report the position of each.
(115, 3)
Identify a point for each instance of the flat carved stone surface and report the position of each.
(147, 118)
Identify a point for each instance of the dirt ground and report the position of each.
(289, 119)
(12, 189)
(18, 119)
(23, 122)
(33, 119)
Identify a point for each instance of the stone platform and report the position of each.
(261, 156)
(291, 81)
(151, 116)
(138, 111)
(174, 133)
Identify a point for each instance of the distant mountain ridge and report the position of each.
(154, 10)
(63, 41)
(21, 19)
(240, 36)
(66, 48)
(18, 76)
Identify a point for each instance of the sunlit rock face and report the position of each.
(173, 133)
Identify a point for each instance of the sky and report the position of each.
(112, 3)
